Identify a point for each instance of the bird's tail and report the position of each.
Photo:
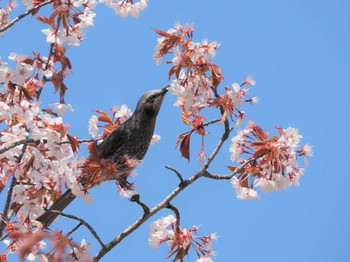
(61, 203)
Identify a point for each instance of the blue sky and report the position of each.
(297, 51)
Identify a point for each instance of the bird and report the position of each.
(124, 149)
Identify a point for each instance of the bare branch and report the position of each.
(177, 174)
(84, 223)
(18, 18)
(177, 214)
(74, 229)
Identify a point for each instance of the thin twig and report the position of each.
(177, 214)
(18, 18)
(82, 221)
(177, 174)
(136, 199)
(74, 229)
(82, 141)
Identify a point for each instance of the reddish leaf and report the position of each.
(185, 144)
(260, 153)
(67, 62)
(216, 74)
(232, 168)
(185, 117)
(43, 19)
(104, 117)
(175, 70)
(73, 143)
(162, 33)
(94, 152)
(258, 143)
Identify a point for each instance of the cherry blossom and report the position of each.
(180, 240)
(93, 127)
(61, 109)
(124, 8)
(272, 164)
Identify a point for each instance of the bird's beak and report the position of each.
(165, 89)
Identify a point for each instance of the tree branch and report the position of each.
(177, 174)
(166, 201)
(84, 223)
(18, 18)
(74, 229)
(30, 140)
(136, 199)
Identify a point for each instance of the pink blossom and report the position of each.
(204, 259)
(123, 113)
(61, 109)
(155, 139)
(243, 193)
(93, 128)
(249, 80)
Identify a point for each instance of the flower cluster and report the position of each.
(4, 14)
(38, 150)
(124, 8)
(31, 73)
(68, 21)
(180, 240)
(31, 245)
(197, 81)
(272, 162)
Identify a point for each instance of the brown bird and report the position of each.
(125, 147)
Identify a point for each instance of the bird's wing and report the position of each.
(114, 142)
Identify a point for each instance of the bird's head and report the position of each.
(151, 101)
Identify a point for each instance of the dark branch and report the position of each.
(18, 18)
(177, 174)
(136, 199)
(74, 229)
(84, 223)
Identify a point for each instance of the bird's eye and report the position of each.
(152, 97)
